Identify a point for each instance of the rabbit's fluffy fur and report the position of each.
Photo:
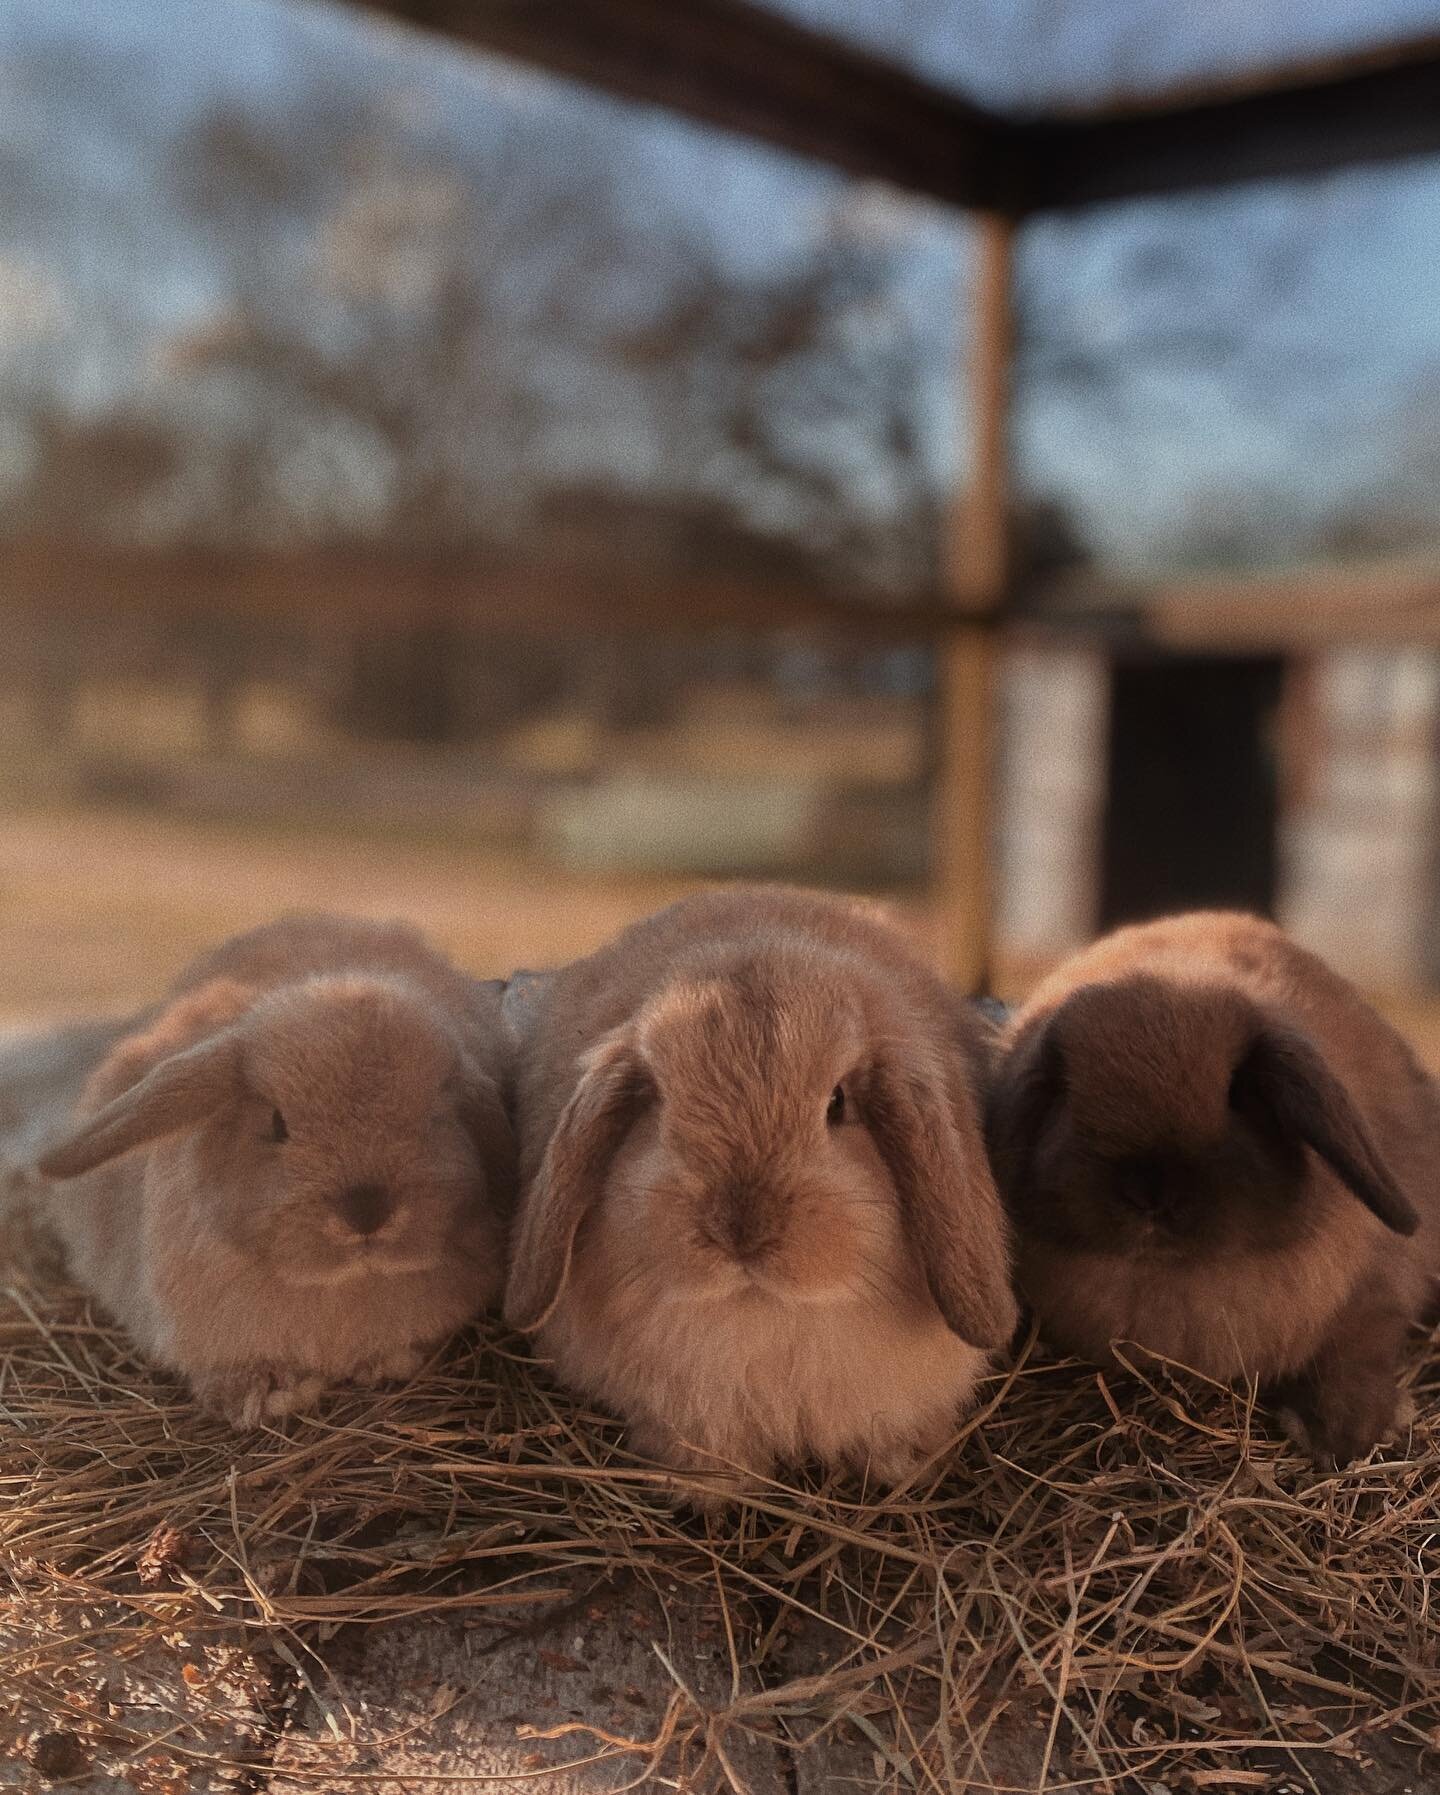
(757, 1217)
(298, 1169)
(1213, 1147)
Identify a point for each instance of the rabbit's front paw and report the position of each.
(393, 1367)
(247, 1396)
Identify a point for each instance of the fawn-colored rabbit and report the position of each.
(756, 1215)
(298, 1170)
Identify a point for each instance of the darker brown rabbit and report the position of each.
(1213, 1147)
(757, 1216)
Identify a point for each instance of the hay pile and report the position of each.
(1134, 1568)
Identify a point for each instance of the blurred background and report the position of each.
(431, 485)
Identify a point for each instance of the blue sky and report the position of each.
(1261, 361)
(1028, 54)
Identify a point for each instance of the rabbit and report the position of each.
(756, 1215)
(1212, 1146)
(299, 1169)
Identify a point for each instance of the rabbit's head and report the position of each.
(336, 1128)
(774, 1125)
(1147, 1117)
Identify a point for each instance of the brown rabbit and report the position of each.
(757, 1216)
(1213, 1147)
(298, 1169)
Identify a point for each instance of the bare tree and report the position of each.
(438, 342)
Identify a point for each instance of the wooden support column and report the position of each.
(978, 556)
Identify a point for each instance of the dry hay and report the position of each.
(1135, 1563)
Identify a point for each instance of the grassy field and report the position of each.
(99, 908)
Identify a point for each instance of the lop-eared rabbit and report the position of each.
(298, 1169)
(1212, 1146)
(756, 1217)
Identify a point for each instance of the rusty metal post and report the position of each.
(978, 559)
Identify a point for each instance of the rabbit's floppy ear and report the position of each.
(179, 1092)
(1284, 1078)
(194, 1016)
(612, 1088)
(1029, 1081)
(949, 1205)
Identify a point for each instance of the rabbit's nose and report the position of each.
(365, 1207)
(743, 1228)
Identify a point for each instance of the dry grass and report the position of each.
(1136, 1562)
(1135, 1570)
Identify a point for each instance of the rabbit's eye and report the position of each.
(278, 1130)
(835, 1110)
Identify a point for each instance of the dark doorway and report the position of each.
(1191, 815)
